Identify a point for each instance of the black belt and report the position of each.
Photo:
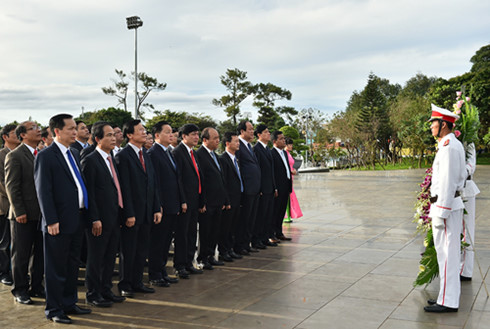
(434, 198)
(469, 177)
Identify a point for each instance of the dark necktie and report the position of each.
(142, 160)
(197, 169)
(169, 154)
(116, 182)
(35, 153)
(238, 172)
(79, 178)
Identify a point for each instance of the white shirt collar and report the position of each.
(30, 148)
(135, 148)
(232, 156)
(62, 147)
(187, 147)
(263, 144)
(162, 146)
(104, 155)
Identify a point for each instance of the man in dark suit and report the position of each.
(250, 171)
(10, 142)
(83, 135)
(260, 237)
(216, 198)
(46, 136)
(234, 189)
(173, 203)
(141, 208)
(27, 240)
(63, 200)
(282, 176)
(105, 205)
(191, 182)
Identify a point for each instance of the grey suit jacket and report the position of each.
(19, 183)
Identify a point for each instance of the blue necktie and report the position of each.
(238, 172)
(79, 177)
(170, 157)
(215, 160)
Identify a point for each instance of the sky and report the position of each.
(55, 56)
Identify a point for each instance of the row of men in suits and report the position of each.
(126, 201)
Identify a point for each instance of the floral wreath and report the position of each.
(467, 132)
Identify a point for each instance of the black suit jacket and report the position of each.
(19, 183)
(56, 189)
(212, 179)
(77, 146)
(140, 196)
(188, 178)
(86, 151)
(167, 177)
(249, 169)
(230, 175)
(283, 184)
(264, 157)
(102, 192)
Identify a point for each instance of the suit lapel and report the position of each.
(104, 165)
(133, 155)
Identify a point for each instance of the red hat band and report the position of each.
(437, 115)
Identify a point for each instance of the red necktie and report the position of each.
(142, 161)
(35, 153)
(116, 182)
(197, 170)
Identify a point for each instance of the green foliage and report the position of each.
(481, 59)
(265, 96)
(111, 114)
(298, 143)
(290, 132)
(239, 89)
(429, 269)
(178, 119)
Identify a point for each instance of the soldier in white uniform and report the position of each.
(469, 192)
(448, 177)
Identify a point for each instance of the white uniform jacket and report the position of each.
(448, 177)
(470, 189)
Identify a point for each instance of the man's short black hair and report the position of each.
(259, 129)
(78, 122)
(45, 132)
(205, 132)
(21, 129)
(188, 128)
(58, 122)
(7, 129)
(98, 129)
(241, 126)
(157, 127)
(128, 128)
(276, 134)
(228, 136)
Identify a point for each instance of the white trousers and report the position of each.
(447, 240)
(468, 255)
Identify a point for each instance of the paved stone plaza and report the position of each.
(351, 264)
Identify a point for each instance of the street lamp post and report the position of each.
(133, 23)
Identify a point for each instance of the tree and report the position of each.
(239, 89)
(121, 85)
(481, 59)
(111, 114)
(265, 96)
(178, 119)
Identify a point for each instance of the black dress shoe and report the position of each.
(207, 266)
(431, 301)
(144, 289)
(284, 238)
(159, 283)
(183, 274)
(215, 262)
(234, 255)
(274, 240)
(126, 293)
(464, 278)
(170, 280)
(244, 252)
(23, 299)
(259, 246)
(37, 294)
(226, 258)
(7, 280)
(193, 270)
(77, 310)
(252, 249)
(436, 308)
(271, 244)
(99, 302)
(61, 319)
(113, 298)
